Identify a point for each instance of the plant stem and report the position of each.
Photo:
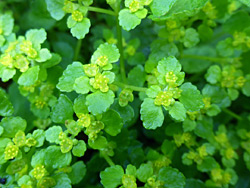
(213, 59)
(101, 10)
(120, 44)
(108, 159)
(232, 114)
(77, 49)
(134, 88)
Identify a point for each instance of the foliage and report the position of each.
(125, 93)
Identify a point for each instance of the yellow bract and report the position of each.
(20, 139)
(129, 181)
(207, 102)
(77, 16)
(164, 98)
(230, 153)
(240, 81)
(171, 78)
(90, 69)
(66, 145)
(102, 60)
(84, 120)
(27, 48)
(100, 82)
(7, 60)
(134, 6)
(210, 10)
(130, 50)
(68, 6)
(39, 172)
(10, 152)
(21, 63)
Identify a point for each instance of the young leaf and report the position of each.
(55, 8)
(79, 149)
(171, 177)
(67, 80)
(54, 158)
(6, 108)
(113, 122)
(99, 102)
(151, 115)
(191, 97)
(29, 77)
(128, 20)
(78, 172)
(36, 36)
(111, 177)
(12, 125)
(82, 85)
(62, 110)
(161, 7)
(52, 134)
(178, 111)
(144, 172)
(80, 29)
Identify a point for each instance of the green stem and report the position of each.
(120, 44)
(134, 88)
(212, 59)
(108, 159)
(229, 112)
(101, 10)
(77, 49)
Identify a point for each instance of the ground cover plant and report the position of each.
(125, 93)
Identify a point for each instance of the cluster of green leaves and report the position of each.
(141, 93)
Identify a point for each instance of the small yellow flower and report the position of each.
(39, 172)
(84, 120)
(11, 152)
(100, 82)
(164, 98)
(90, 69)
(77, 16)
(102, 60)
(134, 6)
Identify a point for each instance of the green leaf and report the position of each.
(99, 102)
(78, 172)
(80, 106)
(6, 108)
(113, 122)
(62, 180)
(194, 183)
(171, 177)
(54, 60)
(111, 177)
(137, 76)
(126, 113)
(36, 36)
(161, 7)
(55, 8)
(52, 134)
(80, 29)
(82, 85)
(79, 149)
(43, 55)
(182, 8)
(213, 74)
(191, 97)
(191, 38)
(29, 77)
(62, 110)
(128, 20)
(12, 125)
(144, 172)
(6, 23)
(169, 64)
(189, 125)
(246, 88)
(108, 50)
(225, 47)
(178, 111)
(99, 143)
(246, 2)
(153, 91)
(67, 80)
(151, 115)
(207, 164)
(55, 158)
